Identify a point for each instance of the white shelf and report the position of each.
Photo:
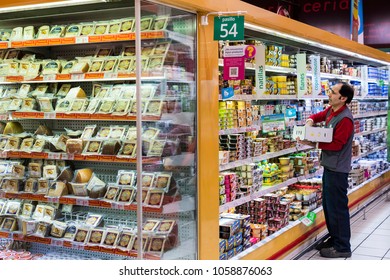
(239, 130)
(246, 161)
(370, 98)
(276, 97)
(370, 132)
(370, 114)
(369, 152)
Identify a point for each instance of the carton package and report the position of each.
(311, 133)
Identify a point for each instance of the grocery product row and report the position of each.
(114, 26)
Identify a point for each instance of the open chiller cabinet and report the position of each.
(102, 39)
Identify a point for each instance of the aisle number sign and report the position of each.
(229, 28)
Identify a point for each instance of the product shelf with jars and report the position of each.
(69, 131)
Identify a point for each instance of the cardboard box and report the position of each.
(311, 133)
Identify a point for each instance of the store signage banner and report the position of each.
(273, 123)
(357, 25)
(301, 74)
(260, 81)
(229, 28)
(316, 74)
(234, 62)
(234, 68)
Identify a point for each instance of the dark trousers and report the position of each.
(335, 205)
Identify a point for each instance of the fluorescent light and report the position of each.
(48, 5)
(313, 43)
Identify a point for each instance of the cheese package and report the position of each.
(83, 175)
(33, 70)
(156, 62)
(76, 92)
(46, 104)
(125, 64)
(57, 31)
(63, 105)
(24, 90)
(73, 30)
(28, 104)
(78, 105)
(106, 106)
(43, 32)
(13, 68)
(27, 144)
(51, 67)
(146, 23)
(101, 28)
(17, 34)
(15, 104)
(103, 52)
(23, 68)
(114, 26)
(64, 90)
(80, 67)
(109, 65)
(160, 23)
(127, 24)
(96, 65)
(28, 33)
(87, 29)
(68, 66)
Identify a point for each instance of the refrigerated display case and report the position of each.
(187, 122)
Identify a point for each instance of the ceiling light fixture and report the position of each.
(313, 43)
(48, 5)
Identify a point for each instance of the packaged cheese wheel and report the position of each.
(83, 175)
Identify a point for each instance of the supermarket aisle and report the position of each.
(370, 234)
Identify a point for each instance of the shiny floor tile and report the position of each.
(370, 234)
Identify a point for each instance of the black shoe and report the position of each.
(324, 244)
(333, 253)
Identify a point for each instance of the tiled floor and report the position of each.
(370, 238)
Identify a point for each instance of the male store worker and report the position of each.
(336, 159)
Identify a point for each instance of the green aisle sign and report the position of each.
(229, 28)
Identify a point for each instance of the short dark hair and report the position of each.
(347, 91)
